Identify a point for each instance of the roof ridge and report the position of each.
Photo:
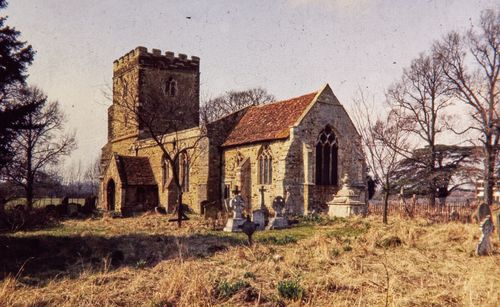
(284, 100)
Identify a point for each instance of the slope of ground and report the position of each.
(146, 261)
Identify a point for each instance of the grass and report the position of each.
(147, 261)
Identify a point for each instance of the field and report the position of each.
(147, 261)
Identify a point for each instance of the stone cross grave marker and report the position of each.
(261, 215)
(484, 246)
(262, 190)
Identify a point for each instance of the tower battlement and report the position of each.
(141, 56)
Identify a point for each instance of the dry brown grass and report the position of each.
(339, 263)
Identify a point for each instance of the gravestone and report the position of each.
(482, 212)
(278, 221)
(259, 218)
(261, 215)
(484, 246)
(237, 205)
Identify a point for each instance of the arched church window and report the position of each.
(327, 158)
(265, 166)
(164, 172)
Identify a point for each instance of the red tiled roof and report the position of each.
(269, 121)
(135, 170)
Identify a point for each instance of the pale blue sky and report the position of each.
(288, 47)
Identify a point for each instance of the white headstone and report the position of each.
(237, 205)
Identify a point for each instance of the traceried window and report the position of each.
(164, 172)
(327, 158)
(265, 166)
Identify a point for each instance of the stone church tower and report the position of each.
(139, 76)
(166, 87)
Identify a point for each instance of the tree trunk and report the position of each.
(29, 168)
(29, 193)
(179, 208)
(29, 180)
(489, 176)
(386, 206)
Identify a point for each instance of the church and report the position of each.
(298, 148)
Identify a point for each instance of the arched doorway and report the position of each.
(110, 195)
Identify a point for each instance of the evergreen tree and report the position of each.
(15, 57)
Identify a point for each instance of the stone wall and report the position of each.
(300, 175)
(240, 168)
(198, 170)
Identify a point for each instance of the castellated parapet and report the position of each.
(141, 56)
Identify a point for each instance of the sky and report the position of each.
(287, 47)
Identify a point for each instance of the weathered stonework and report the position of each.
(294, 160)
(226, 157)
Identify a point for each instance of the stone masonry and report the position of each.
(229, 151)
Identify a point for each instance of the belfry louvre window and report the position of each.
(327, 158)
(265, 166)
(172, 87)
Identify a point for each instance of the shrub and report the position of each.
(225, 289)
(290, 289)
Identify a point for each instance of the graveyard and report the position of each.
(235, 153)
(148, 261)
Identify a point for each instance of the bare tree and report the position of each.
(161, 115)
(383, 139)
(41, 144)
(421, 99)
(471, 64)
(233, 101)
(92, 174)
(73, 179)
